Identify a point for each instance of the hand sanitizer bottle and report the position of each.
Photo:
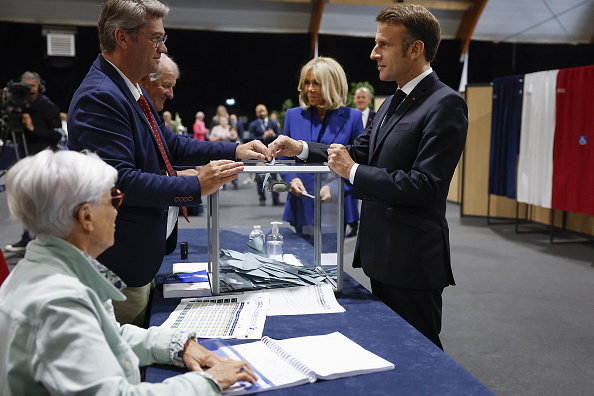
(274, 242)
(256, 242)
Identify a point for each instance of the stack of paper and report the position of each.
(182, 284)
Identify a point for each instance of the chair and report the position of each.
(4, 271)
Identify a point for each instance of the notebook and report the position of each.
(300, 360)
(183, 284)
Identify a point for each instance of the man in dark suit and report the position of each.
(265, 130)
(401, 169)
(111, 115)
(362, 101)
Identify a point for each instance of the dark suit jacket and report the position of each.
(370, 117)
(343, 126)
(403, 180)
(257, 132)
(104, 118)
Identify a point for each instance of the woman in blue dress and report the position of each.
(322, 117)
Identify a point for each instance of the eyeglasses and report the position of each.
(116, 198)
(116, 201)
(156, 40)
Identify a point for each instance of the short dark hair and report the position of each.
(419, 23)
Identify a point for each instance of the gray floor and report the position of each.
(521, 318)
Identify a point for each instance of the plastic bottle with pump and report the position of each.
(274, 242)
(256, 242)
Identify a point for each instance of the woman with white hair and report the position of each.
(322, 117)
(59, 333)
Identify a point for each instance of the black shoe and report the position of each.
(18, 247)
(262, 203)
(350, 232)
(277, 203)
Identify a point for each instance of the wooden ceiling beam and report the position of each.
(468, 24)
(314, 24)
(429, 4)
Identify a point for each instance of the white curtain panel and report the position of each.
(535, 166)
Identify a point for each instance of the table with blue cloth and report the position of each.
(420, 367)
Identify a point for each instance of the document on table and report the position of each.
(303, 300)
(239, 316)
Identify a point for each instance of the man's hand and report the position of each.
(217, 173)
(268, 134)
(252, 150)
(187, 172)
(284, 145)
(225, 371)
(28, 122)
(339, 160)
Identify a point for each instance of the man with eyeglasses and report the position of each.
(111, 115)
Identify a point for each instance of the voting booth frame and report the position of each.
(214, 227)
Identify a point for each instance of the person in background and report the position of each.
(159, 85)
(220, 132)
(265, 130)
(199, 127)
(362, 101)
(60, 336)
(42, 128)
(401, 168)
(111, 115)
(322, 117)
(220, 112)
(234, 122)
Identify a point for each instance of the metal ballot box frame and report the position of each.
(213, 217)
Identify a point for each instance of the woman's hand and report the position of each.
(297, 187)
(226, 371)
(325, 193)
(230, 371)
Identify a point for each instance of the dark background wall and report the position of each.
(264, 68)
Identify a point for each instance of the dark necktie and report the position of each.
(149, 116)
(398, 97)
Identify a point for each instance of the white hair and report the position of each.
(166, 66)
(45, 189)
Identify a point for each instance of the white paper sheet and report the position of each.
(305, 300)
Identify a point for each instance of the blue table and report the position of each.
(420, 367)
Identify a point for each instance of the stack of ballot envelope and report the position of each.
(248, 271)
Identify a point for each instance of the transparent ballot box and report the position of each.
(307, 252)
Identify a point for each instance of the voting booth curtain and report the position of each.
(550, 115)
(505, 131)
(573, 158)
(537, 135)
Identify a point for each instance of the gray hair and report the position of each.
(30, 75)
(199, 114)
(45, 189)
(125, 14)
(167, 65)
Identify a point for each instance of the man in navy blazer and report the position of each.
(362, 99)
(401, 168)
(265, 130)
(105, 117)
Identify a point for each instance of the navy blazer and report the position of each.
(257, 131)
(403, 181)
(104, 118)
(343, 126)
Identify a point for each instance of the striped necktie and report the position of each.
(149, 116)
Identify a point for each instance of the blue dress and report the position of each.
(342, 126)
